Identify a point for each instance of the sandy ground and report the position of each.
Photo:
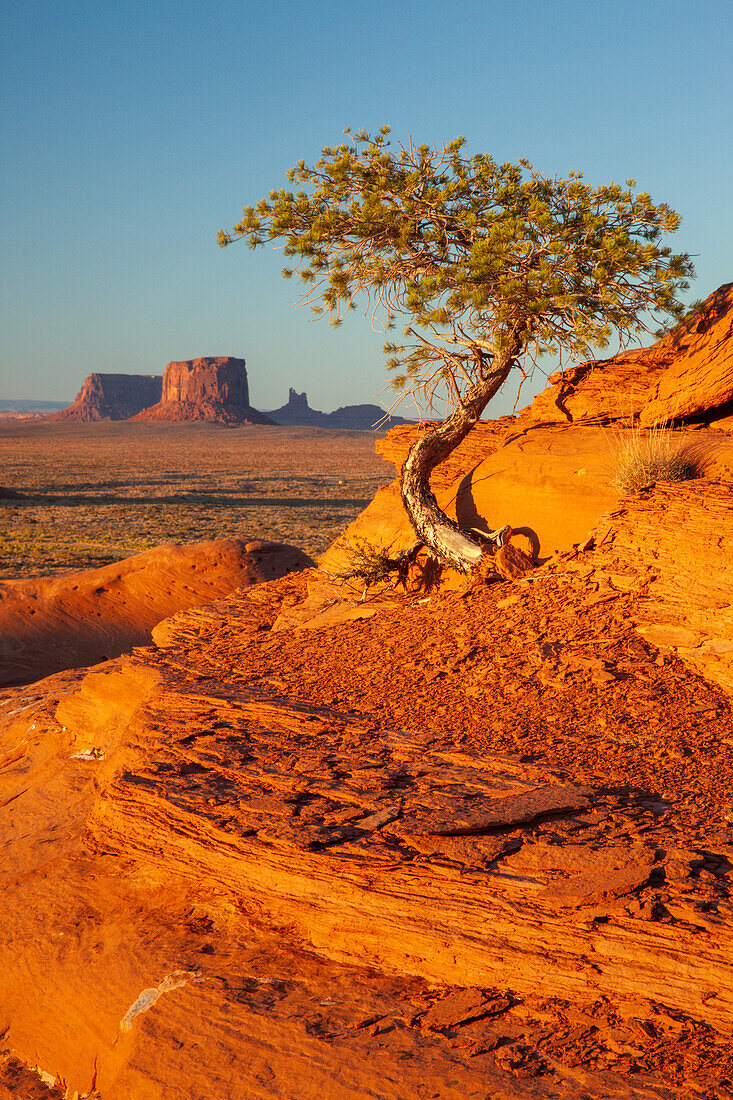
(98, 493)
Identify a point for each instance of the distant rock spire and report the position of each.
(297, 400)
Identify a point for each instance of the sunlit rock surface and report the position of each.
(212, 388)
(51, 623)
(472, 844)
(111, 397)
(687, 375)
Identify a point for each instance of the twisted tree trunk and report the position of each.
(442, 535)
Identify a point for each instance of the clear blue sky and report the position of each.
(133, 131)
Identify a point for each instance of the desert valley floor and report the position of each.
(95, 493)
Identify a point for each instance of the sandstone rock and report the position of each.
(209, 379)
(472, 813)
(485, 438)
(238, 792)
(688, 374)
(297, 411)
(362, 418)
(210, 388)
(676, 537)
(551, 483)
(111, 397)
(424, 574)
(699, 380)
(600, 390)
(463, 1006)
(103, 970)
(259, 863)
(593, 887)
(82, 618)
(511, 562)
(220, 886)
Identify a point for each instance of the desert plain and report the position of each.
(96, 493)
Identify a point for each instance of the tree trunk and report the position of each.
(442, 535)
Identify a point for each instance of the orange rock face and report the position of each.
(482, 441)
(550, 472)
(550, 483)
(83, 618)
(209, 379)
(685, 607)
(599, 391)
(211, 388)
(512, 562)
(384, 521)
(440, 843)
(699, 380)
(687, 374)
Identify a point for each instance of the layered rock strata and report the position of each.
(687, 375)
(222, 886)
(482, 844)
(485, 438)
(111, 397)
(550, 483)
(670, 545)
(209, 388)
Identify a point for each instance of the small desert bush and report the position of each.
(646, 457)
(368, 562)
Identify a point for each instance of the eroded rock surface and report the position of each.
(699, 380)
(77, 619)
(671, 546)
(111, 397)
(687, 375)
(212, 388)
(485, 438)
(550, 483)
(479, 844)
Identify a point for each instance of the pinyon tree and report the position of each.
(491, 265)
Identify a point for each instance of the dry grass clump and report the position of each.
(647, 457)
